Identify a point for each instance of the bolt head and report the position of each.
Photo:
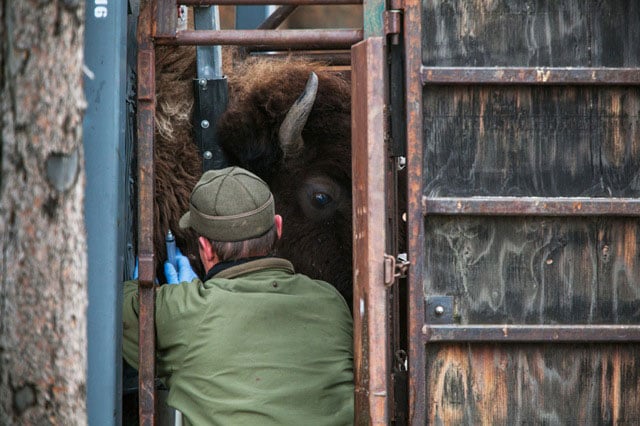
(204, 124)
(207, 155)
(439, 310)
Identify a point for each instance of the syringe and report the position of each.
(170, 240)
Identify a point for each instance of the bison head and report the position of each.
(292, 127)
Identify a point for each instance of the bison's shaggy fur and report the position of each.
(177, 162)
(312, 187)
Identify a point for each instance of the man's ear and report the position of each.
(206, 249)
(278, 222)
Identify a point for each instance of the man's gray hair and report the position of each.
(258, 246)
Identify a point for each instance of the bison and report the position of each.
(289, 122)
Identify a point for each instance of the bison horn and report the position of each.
(290, 133)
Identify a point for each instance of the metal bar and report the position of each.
(272, 22)
(412, 26)
(529, 75)
(146, 292)
(531, 333)
(210, 102)
(531, 206)
(266, 2)
(208, 58)
(331, 58)
(290, 39)
(166, 18)
(107, 149)
(370, 310)
(250, 17)
(277, 17)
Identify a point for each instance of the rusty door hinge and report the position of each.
(394, 268)
(392, 20)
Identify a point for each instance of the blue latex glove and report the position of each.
(135, 270)
(184, 272)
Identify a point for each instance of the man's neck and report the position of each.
(221, 266)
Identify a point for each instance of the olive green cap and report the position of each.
(230, 204)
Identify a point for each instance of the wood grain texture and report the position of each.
(532, 141)
(576, 33)
(535, 271)
(530, 384)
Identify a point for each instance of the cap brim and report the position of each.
(185, 221)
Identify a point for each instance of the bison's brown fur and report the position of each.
(312, 188)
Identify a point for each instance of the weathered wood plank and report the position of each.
(535, 271)
(532, 141)
(575, 33)
(533, 384)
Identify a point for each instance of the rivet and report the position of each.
(207, 155)
(274, 284)
(204, 124)
(203, 83)
(439, 310)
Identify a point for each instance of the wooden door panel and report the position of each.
(523, 131)
(508, 270)
(532, 141)
(532, 384)
(558, 33)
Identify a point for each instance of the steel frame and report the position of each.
(157, 25)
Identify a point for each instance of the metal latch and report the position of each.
(395, 268)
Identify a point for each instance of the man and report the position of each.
(254, 343)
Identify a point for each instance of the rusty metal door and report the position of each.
(523, 129)
(370, 298)
(378, 153)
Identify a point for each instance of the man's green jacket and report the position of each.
(256, 344)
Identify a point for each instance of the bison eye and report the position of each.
(320, 199)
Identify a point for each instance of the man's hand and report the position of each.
(135, 270)
(184, 272)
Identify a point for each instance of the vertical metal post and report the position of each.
(415, 220)
(211, 92)
(146, 125)
(370, 296)
(104, 134)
